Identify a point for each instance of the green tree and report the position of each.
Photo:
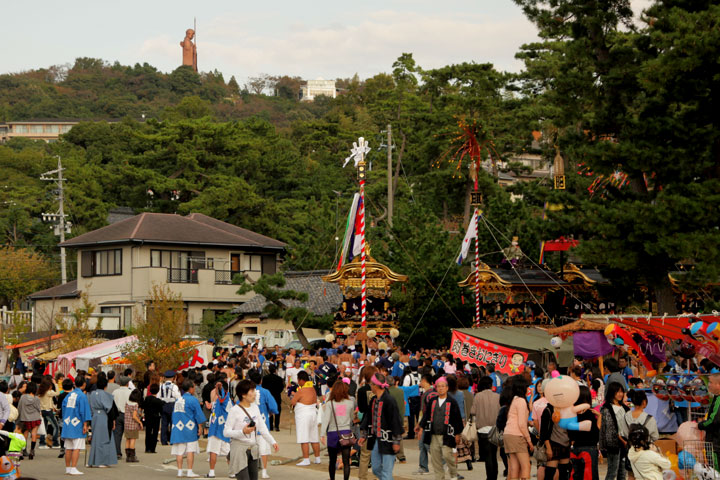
(24, 272)
(78, 329)
(638, 101)
(160, 332)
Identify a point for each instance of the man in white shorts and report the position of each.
(76, 416)
(187, 424)
(218, 444)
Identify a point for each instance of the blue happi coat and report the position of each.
(266, 403)
(75, 411)
(220, 409)
(186, 417)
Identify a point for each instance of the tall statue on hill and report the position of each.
(189, 49)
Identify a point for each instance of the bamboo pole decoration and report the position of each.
(358, 152)
(363, 287)
(477, 269)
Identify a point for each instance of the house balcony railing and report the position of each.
(224, 277)
(182, 275)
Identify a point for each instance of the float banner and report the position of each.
(481, 352)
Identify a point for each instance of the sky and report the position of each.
(311, 39)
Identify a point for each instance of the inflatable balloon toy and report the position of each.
(613, 333)
(673, 390)
(686, 460)
(660, 389)
(562, 392)
(705, 472)
(687, 389)
(700, 391)
(669, 475)
(8, 470)
(556, 342)
(673, 463)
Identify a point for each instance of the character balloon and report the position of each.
(562, 392)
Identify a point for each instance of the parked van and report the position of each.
(279, 337)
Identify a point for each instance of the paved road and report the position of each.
(46, 465)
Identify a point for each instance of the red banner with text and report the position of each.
(481, 352)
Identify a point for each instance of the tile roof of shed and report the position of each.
(323, 298)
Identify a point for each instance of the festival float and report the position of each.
(365, 283)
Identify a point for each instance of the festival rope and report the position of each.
(553, 279)
(515, 270)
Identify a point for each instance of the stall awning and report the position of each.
(663, 326)
(30, 343)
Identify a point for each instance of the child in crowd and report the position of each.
(133, 424)
(647, 464)
(30, 416)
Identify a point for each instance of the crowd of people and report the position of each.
(367, 406)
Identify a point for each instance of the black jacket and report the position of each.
(453, 420)
(390, 424)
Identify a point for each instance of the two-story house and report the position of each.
(196, 256)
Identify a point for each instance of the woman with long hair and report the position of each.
(244, 423)
(337, 420)
(613, 431)
(518, 445)
(584, 454)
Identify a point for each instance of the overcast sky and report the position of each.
(310, 39)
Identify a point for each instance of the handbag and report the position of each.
(469, 433)
(540, 454)
(495, 436)
(344, 439)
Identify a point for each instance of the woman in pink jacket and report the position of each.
(518, 445)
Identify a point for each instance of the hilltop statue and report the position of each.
(189, 49)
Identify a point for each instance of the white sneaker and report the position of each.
(304, 463)
(75, 471)
(317, 460)
(191, 474)
(180, 474)
(264, 474)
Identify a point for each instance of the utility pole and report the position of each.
(389, 175)
(60, 227)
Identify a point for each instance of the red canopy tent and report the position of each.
(664, 326)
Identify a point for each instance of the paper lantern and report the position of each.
(372, 333)
(556, 342)
(329, 338)
(347, 331)
(394, 333)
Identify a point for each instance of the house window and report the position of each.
(100, 263)
(180, 259)
(252, 263)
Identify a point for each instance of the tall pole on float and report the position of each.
(358, 152)
(476, 201)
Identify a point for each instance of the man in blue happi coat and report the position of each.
(76, 415)
(187, 424)
(267, 404)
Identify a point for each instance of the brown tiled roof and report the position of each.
(194, 229)
(66, 290)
